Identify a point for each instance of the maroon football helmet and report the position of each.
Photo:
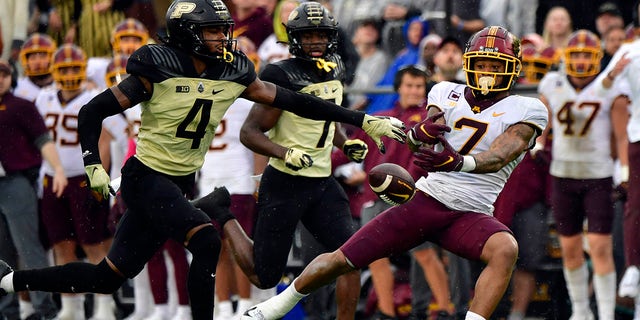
(128, 28)
(69, 67)
(37, 66)
(536, 63)
(497, 43)
(116, 70)
(582, 54)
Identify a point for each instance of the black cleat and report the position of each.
(216, 205)
(5, 269)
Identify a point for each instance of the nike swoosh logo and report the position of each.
(216, 92)
(403, 196)
(448, 161)
(497, 114)
(425, 131)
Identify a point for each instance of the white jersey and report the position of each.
(62, 122)
(228, 162)
(628, 83)
(118, 127)
(97, 70)
(474, 133)
(581, 127)
(28, 90)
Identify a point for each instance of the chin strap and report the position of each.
(325, 65)
(226, 55)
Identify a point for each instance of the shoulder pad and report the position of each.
(241, 70)
(159, 62)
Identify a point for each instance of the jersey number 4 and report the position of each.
(197, 135)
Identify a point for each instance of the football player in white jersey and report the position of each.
(480, 136)
(127, 36)
(582, 170)
(622, 73)
(78, 217)
(36, 59)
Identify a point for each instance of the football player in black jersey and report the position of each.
(184, 86)
(298, 184)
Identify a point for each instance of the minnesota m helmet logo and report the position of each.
(181, 9)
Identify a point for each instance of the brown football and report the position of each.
(392, 183)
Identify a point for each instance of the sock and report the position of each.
(161, 309)
(577, 285)
(225, 309)
(182, 312)
(243, 305)
(104, 303)
(6, 283)
(278, 306)
(515, 315)
(473, 316)
(605, 289)
(26, 308)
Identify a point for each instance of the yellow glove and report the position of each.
(377, 127)
(296, 159)
(98, 179)
(356, 150)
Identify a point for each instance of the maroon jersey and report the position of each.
(22, 132)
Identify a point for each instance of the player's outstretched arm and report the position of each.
(110, 102)
(311, 107)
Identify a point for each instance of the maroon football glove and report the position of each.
(427, 131)
(446, 160)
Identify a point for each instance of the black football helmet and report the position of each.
(186, 19)
(309, 16)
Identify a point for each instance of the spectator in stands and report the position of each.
(613, 39)
(251, 21)
(519, 16)
(609, 16)
(372, 65)
(414, 30)
(428, 48)
(557, 28)
(463, 21)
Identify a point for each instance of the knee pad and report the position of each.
(107, 281)
(205, 243)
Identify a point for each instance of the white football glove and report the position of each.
(296, 159)
(377, 127)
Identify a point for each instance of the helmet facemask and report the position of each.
(495, 43)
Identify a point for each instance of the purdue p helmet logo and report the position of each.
(181, 9)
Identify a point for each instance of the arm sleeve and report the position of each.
(90, 123)
(308, 106)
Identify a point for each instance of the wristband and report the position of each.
(624, 173)
(460, 25)
(468, 164)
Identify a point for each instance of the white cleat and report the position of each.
(629, 283)
(582, 316)
(253, 314)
